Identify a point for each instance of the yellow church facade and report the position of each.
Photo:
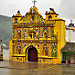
(36, 39)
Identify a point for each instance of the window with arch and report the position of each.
(20, 51)
(50, 18)
(32, 34)
(19, 34)
(15, 20)
(45, 50)
(33, 18)
(45, 34)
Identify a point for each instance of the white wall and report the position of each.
(5, 54)
(70, 36)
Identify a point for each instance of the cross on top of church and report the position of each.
(34, 2)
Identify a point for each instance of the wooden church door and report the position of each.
(32, 55)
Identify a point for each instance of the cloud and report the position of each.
(9, 6)
(67, 8)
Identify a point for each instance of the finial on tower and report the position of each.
(18, 11)
(34, 2)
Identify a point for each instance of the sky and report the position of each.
(65, 8)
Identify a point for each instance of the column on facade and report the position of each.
(49, 31)
(22, 32)
(14, 48)
(52, 32)
(22, 46)
(40, 47)
(20, 49)
(49, 50)
(13, 33)
(40, 31)
(44, 52)
(16, 34)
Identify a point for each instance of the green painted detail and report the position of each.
(52, 32)
(54, 50)
(13, 33)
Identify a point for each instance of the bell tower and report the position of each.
(51, 15)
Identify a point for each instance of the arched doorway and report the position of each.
(32, 54)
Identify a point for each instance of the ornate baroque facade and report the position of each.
(37, 39)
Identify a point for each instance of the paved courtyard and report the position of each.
(31, 68)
